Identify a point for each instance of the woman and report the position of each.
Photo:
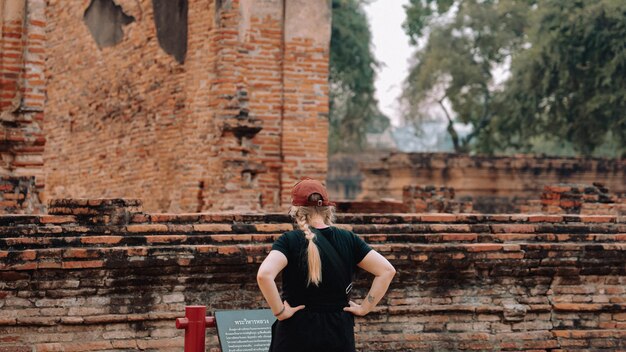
(317, 264)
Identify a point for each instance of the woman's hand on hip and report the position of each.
(289, 311)
(356, 309)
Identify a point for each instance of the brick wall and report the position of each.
(577, 199)
(431, 199)
(494, 183)
(103, 275)
(415, 199)
(306, 93)
(230, 128)
(22, 93)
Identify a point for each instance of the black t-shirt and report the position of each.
(351, 249)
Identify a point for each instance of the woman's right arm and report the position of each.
(384, 272)
(273, 264)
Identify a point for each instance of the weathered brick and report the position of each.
(84, 264)
(55, 219)
(147, 228)
(213, 228)
(228, 250)
(483, 247)
(166, 239)
(101, 239)
(597, 218)
(513, 228)
(274, 228)
(545, 218)
(459, 237)
(81, 253)
(578, 306)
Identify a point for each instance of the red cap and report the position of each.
(303, 189)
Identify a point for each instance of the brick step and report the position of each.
(69, 239)
(243, 230)
(530, 255)
(381, 219)
(354, 219)
(496, 308)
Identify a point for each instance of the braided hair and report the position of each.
(302, 216)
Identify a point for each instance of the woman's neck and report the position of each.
(317, 222)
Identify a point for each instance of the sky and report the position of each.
(392, 50)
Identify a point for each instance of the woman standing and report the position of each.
(317, 264)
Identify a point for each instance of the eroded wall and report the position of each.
(102, 275)
(493, 183)
(22, 98)
(228, 122)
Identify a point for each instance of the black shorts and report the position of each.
(309, 331)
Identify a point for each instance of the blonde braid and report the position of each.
(313, 255)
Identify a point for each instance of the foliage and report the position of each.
(571, 84)
(467, 40)
(566, 84)
(353, 107)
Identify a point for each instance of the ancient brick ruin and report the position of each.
(415, 199)
(493, 184)
(578, 199)
(190, 105)
(103, 275)
(22, 99)
(228, 119)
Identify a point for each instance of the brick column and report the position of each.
(11, 53)
(305, 82)
(22, 92)
(272, 106)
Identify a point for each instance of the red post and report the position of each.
(195, 323)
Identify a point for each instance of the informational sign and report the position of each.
(244, 330)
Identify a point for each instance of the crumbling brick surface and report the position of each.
(415, 199)
(431, 199)
(18, 195)
(564, 198)
(230, 127)
(464, 282)
(495, 184)
(22, 95)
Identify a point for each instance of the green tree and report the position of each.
(454, 70)
(353, 107)
(570, 84)
(567, 79)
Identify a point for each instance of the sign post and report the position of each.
(195, 323)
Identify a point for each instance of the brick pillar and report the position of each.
(22, 93)
(305, 82)
(233, 184)
(270, 100)
(11, 53)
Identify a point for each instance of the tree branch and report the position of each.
(451, 130)
(484, 119)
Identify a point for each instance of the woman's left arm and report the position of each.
(269, 269)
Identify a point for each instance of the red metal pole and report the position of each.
(195, 323)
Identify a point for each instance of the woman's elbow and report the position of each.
(264, 276)
(390, 271)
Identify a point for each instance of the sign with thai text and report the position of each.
(244, 330)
